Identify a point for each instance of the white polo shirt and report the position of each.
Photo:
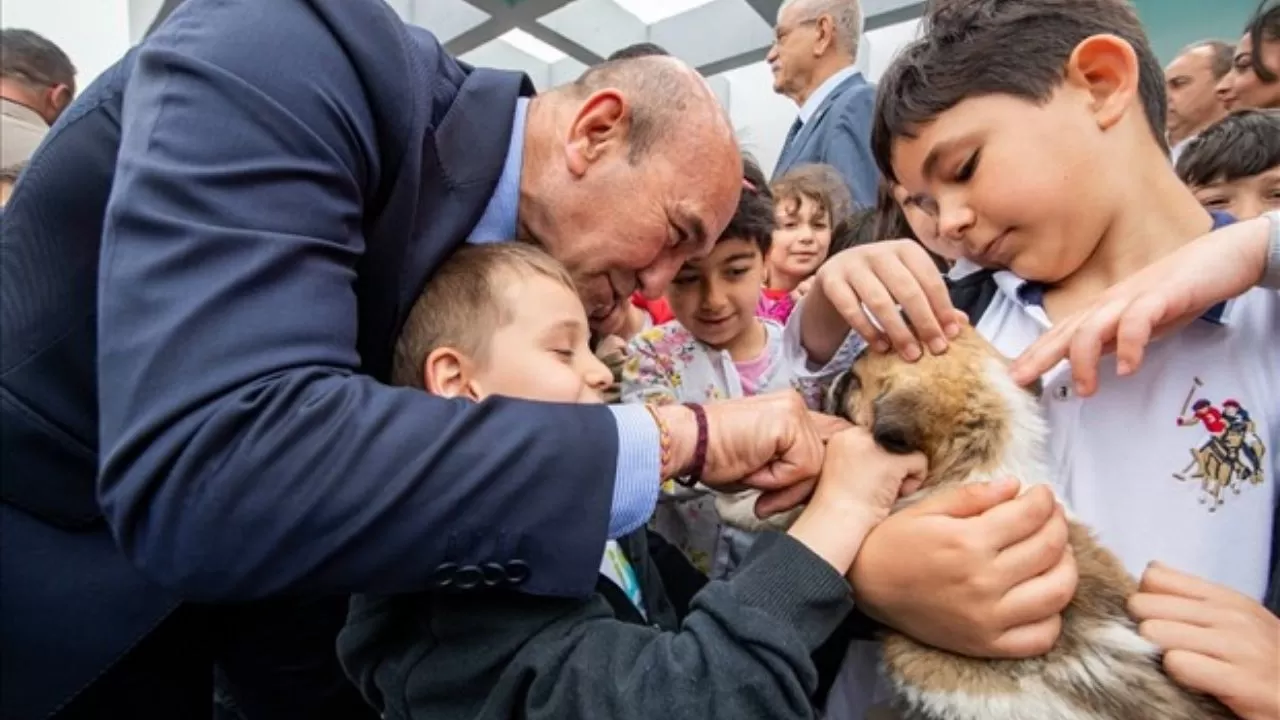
(1177, 462)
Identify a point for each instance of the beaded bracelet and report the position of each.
(664, 438)
(692, 474)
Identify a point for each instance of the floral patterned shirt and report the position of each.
(667, 364)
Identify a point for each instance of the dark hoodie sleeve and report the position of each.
(742, 652)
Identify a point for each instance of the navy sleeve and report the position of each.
(243, 454)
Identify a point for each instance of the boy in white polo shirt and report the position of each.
(1034, 133)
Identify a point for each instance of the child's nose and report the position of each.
(597, 375)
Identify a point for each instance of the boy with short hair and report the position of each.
(504, 320)
(1233, 166)
(1033, 132)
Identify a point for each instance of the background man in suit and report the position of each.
(37, 82)
(1190, 81)
(289, 175)
(815, 45)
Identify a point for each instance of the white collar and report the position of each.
(824, 91)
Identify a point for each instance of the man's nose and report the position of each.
(653, 280)
(1224, 87)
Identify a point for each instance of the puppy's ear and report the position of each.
(898, 426)
(836, 401)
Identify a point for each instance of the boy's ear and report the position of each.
(451, 374)
(1106, 66)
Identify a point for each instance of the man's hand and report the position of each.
(879, 278)
(972, 571)
(859, 484)
(771, 443)
(1163, 296)
(1216, 641)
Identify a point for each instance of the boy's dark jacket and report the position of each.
(737, 649)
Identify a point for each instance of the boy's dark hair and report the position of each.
(753, 220)
(1242, 144)
(1264, 26)
(32, 59)
(820, 183)
(644, 49)
(855, 230)
(463, 305)
(1006, 47)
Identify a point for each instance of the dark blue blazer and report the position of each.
(839, 134)
(283, 179)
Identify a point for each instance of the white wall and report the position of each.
(762, 117)
(93, 33)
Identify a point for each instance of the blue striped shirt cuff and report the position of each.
(636, 482)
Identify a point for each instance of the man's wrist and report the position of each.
(683, 428)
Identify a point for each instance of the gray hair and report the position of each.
(34, 60)
(846, 15)
(1221, 55)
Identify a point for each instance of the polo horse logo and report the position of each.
(1230, 458)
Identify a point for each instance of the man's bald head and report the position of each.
(628, 172)
(667, 98)
(1189, 83)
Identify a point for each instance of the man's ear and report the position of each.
(826, 35)
(451, 374)
(602, 122)
(1106, 66)
(898, 426)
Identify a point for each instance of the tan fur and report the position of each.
(950, 408)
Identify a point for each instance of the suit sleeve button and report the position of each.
(517, 572)
(468, 577)
(443, 576)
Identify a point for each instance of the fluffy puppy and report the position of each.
(962, 410)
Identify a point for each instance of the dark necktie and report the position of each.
(791, 135)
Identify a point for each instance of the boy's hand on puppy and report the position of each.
(879, 278)
(972, 569)
(1216, 640)
(859, 484)
(1161, 297)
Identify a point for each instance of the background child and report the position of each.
(1234, 165)
(504, 319)
(809, 201)
(716, 348)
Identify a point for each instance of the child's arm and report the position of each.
(874, 280)
(1161, 297)
(1216, 641)
(743, 651)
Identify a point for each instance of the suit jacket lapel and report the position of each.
(810, 127)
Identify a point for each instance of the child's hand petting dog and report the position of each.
(860, 483)
(1216, 641)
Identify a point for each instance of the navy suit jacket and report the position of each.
(284, 177)
(839, 134)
